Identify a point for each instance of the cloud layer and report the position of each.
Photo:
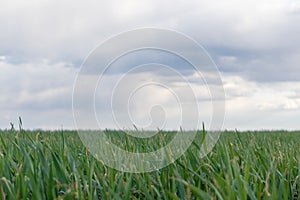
(255, 45)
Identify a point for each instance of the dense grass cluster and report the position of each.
(55, 165)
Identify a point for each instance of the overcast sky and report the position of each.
(255, 44)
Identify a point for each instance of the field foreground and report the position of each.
(56, 165)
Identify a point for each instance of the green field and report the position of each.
(242, 165)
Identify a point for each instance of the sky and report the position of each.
(254, 44)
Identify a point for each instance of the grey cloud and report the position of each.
(256, 41)
(67, 32)
(37, 88)
(261, 37)
(259, 65)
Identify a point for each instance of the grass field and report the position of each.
(245, 165)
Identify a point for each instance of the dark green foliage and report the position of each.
(55, 165)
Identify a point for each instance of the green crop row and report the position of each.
(242, 165)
